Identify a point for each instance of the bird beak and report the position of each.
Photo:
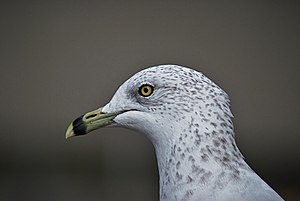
(89, 122)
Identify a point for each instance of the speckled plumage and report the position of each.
(189, 122)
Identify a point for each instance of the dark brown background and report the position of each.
(61, 59)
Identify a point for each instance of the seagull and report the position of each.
(187, 118)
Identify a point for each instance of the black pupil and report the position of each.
(146, 90)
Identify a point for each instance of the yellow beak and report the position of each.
(89, 122)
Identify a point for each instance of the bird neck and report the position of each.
(198, 151)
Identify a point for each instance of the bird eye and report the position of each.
(146, 90)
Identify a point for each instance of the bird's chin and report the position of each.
(134, 120)
(128, 118)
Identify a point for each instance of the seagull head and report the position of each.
(154, 101)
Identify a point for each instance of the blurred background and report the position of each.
(60, 59)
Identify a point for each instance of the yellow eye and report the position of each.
(146, 90)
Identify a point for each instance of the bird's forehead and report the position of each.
(166, 75)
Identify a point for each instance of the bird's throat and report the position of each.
(187, 165)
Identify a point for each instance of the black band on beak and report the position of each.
(79, 127)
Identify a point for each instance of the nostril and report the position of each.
(90, 116)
